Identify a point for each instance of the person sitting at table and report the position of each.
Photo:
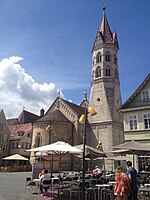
(88, 171)
(97, 172)
(122, 188)
(41, 173)
(44, 176)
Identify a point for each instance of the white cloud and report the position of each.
(18, 89)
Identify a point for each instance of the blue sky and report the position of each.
(46, 44)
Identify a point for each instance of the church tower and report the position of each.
(105, 95)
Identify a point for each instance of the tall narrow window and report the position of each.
(107, 56)
(98, 57)
(133, 122)
(98, 72)
(38, 140)
(145, 95)
(147, 121)
(107, 71)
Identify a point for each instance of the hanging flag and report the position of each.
(48, 128)
(99, 144)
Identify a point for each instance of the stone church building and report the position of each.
(106, 127)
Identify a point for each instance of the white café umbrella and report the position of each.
(58, 148)
(15, 157)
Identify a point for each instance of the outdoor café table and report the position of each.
(144, 191)
(101, 186)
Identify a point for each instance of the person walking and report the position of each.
(132, 174)
(122, 187)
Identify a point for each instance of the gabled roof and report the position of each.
(78, 109)
(19, 131)
(137, 91)
(13, 121)
(27, 117)
(54, 116)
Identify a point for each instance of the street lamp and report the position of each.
(52, 133)
(83, 119)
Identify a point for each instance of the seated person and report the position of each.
(44, 176)
(97, 172)
(41, 173)
(88, 171)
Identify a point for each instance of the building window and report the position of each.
(98, 57)
(1, 125)
(107, 56)
(5, 138)
(107, 71)
(133, 122)
(145, 95)
(98, 72)
(13, 145)
(4, 148)
(147, 121)
(29, 135)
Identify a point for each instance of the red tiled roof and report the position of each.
(18, 131)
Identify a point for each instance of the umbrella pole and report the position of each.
(104, 165)
(133, 160)
(59, 166)
(51, 165)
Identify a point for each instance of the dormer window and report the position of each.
(145, 95)
(98, 57)
(98, 72)
(107, 56)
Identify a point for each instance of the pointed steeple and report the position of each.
(105, 29)
(104, 34)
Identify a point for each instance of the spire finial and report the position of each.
(104, 10)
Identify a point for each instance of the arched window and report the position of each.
(107, 71)
(107, 56)
(115, 59)
(38, 140)
(98, 57)
(98, 72)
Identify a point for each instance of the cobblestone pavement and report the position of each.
(12, 186)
